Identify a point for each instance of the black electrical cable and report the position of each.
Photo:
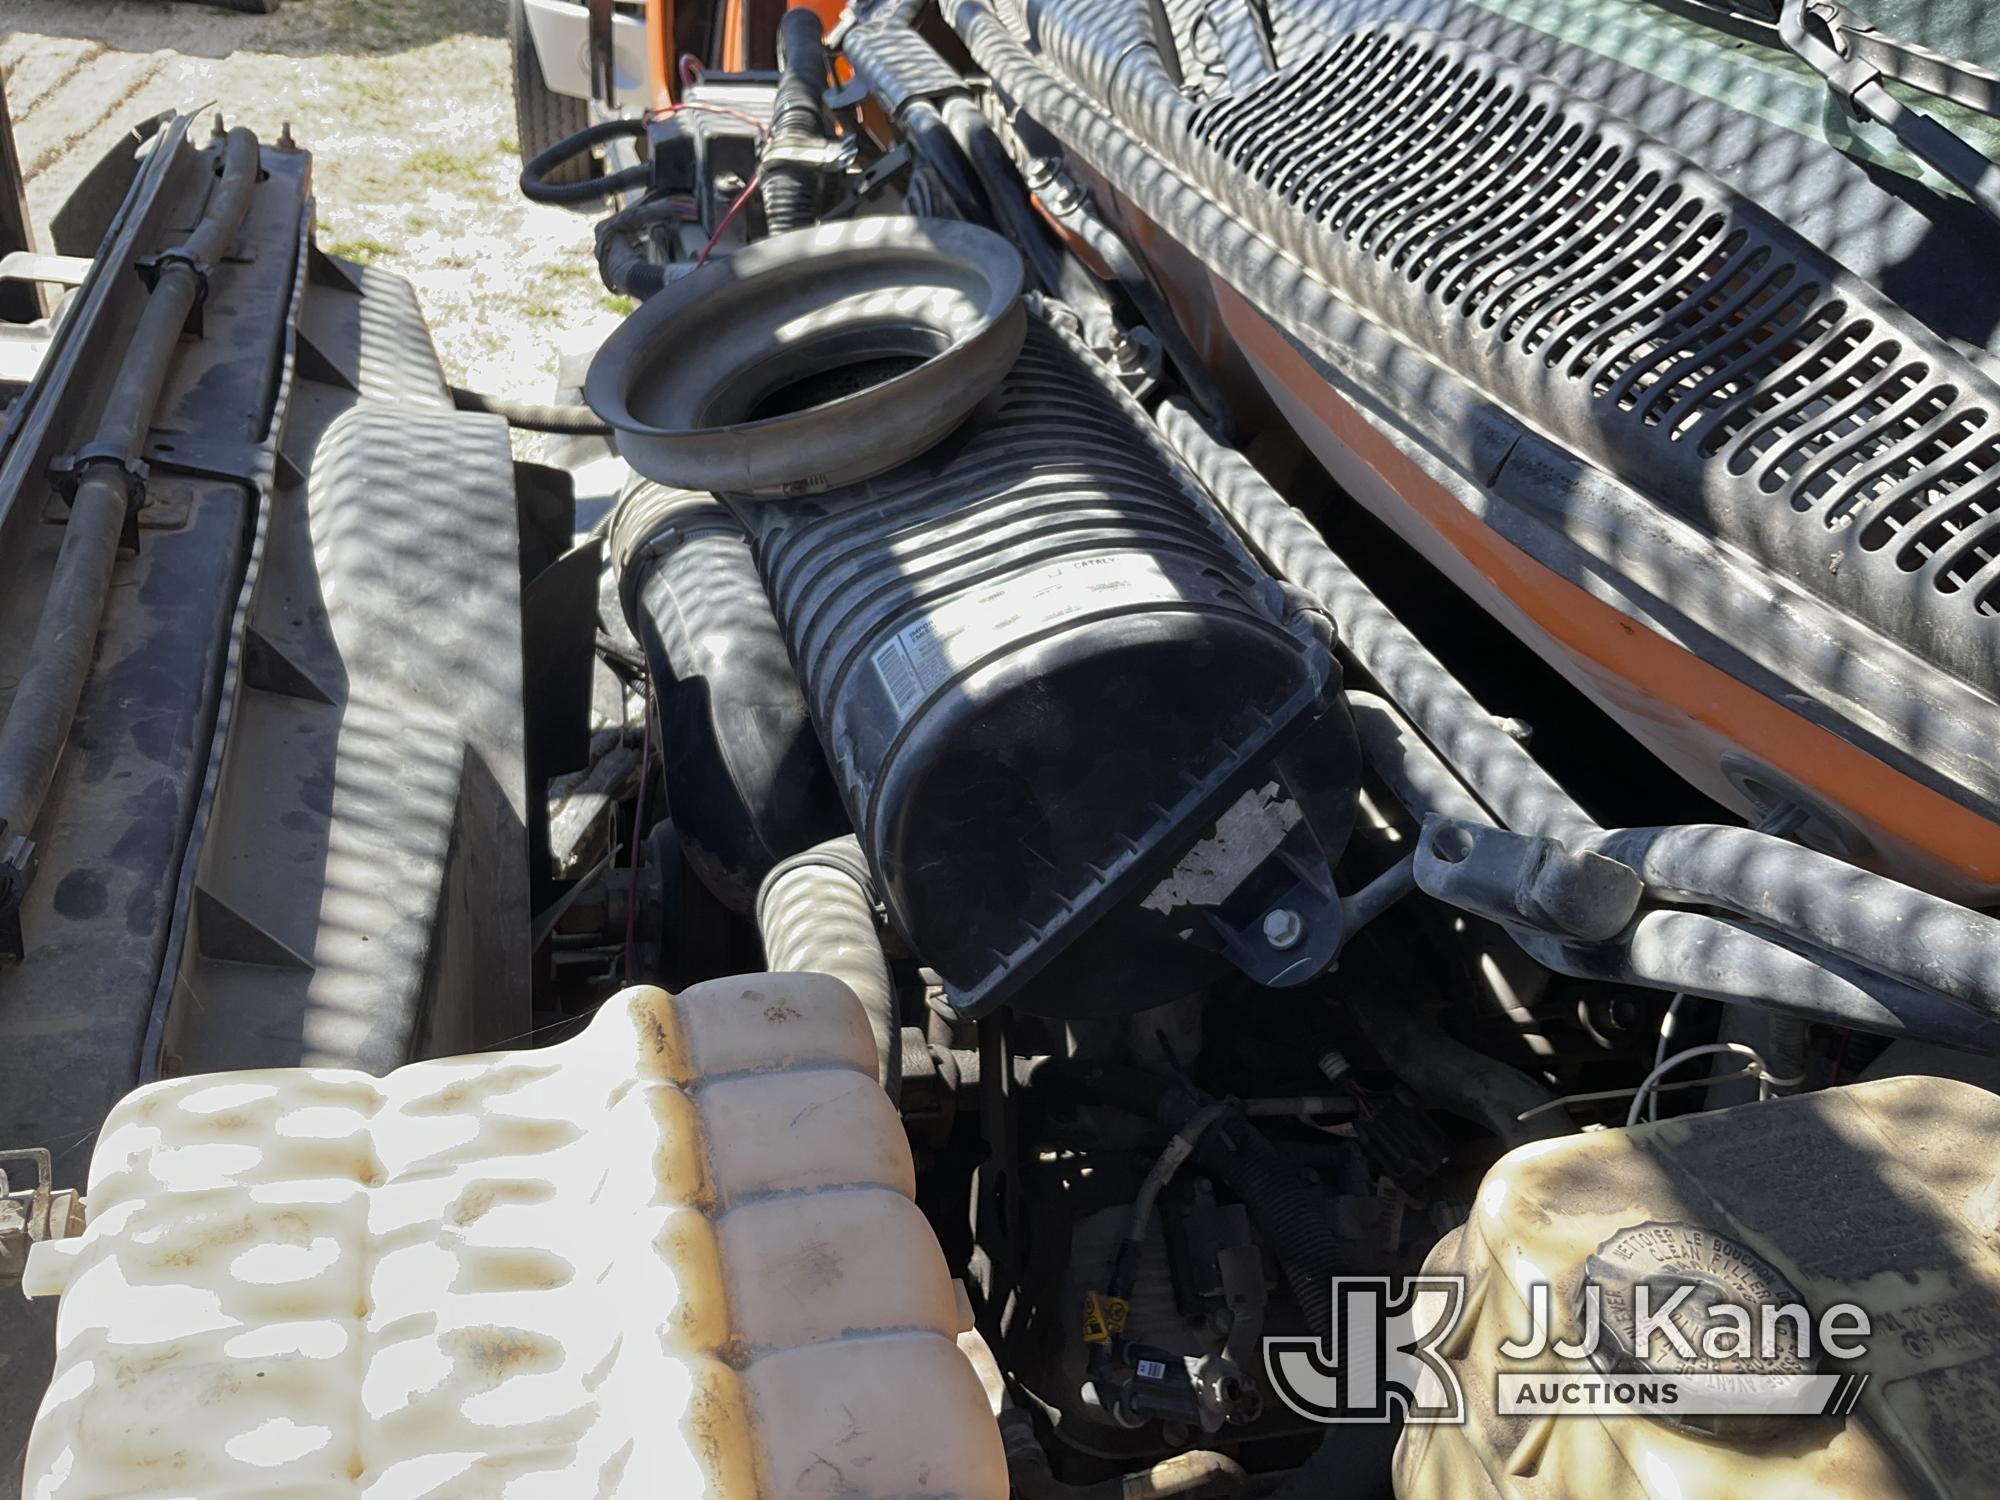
(534, 176)
(1290, 1216)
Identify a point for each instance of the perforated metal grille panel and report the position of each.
(1627, 304)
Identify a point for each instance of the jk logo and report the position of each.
(1383, 1354)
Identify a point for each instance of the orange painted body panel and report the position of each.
(736, 28)
(1687, 710)
(660, 60)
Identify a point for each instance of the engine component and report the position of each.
(1059, 696)
(816, 914)
(104, 485)
(1878, 1195)
(793, 157)
(612, 1257)
(559, 173)
(826, 355)
(746, 782)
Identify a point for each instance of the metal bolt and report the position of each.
(1283, 927)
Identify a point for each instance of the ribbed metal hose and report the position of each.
(798, 121)
(1912, 940)
(816, 913)
(58, 663)
(1493, 763)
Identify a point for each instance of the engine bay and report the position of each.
(1191, 673)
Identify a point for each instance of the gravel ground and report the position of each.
(407, 107)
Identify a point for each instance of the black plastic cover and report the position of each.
(1043, 668)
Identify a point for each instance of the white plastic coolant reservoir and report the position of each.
(674, 1256)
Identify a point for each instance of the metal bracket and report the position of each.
(846, 95)
(69, 471)
(880, 170)
(149, 268)
(820, 156)
(1522, 881)
(17, 867)
(51, 1214)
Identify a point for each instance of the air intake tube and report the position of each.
(816, 913)
(747, 783)
(798, 125)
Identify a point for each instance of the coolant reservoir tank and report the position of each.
(1884, 1195)
(674, 1256)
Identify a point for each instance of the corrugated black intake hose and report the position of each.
(1290, 1216)
(816, 912)
(58, 662)
(799, 125)
(533, 416)
(901, 12)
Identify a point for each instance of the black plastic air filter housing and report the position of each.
(1095, 754)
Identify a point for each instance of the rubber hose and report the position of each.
(591, 190)
(45, 700)
(798, 120)
(1007, 197)
(533, 416)
(1497, 768)
(816, 913)
(621, 259)
(1291, 1217)
(923, 127)
(744, 773)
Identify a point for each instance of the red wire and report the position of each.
(752, 121)
(741, 199)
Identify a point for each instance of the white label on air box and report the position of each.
(920, 658)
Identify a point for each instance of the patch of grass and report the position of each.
(377, 88)
(438, 166)
(540, 309)
(362, 249)
(616, 302)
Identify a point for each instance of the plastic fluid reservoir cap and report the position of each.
(1720, 1274)
(814, 358)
